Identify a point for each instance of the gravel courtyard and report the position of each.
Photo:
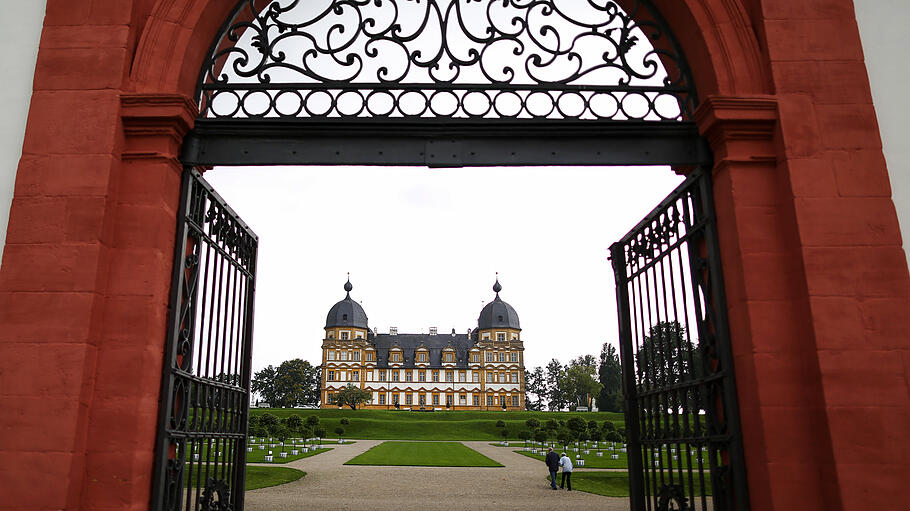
(329, 484)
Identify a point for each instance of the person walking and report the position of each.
(552, 461)
(566, 463)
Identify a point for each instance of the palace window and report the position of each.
(514, 356)
(486, 337)
(382, 375)
(422, 357)
(355, 356)
(475, 376)
(331, 376)
(514, 377)
(396, 357)
(500, 336)
(359, 335)
(490, 376)
(394, 375)
(502, 356)
(449, 357)
(449, 400)
(462, 400)
(331, 335)
(330, 398)
(490, 356)
(515, 401)
(461, 377)
(476, 400)
(449, 378)
(489, 400)
(475, 357)
(435, 375)
(355, 375)
(331, 354)
(345, 336)
(382, 398)
(422, 398)
(344, 355)
(342, 376)
(435, 399)
(369, 356)
(409, 399)
(408, 376)
(395, 398)
(422, 376)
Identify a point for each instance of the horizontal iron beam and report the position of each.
(458, 144)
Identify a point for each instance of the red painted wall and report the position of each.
(816, 280)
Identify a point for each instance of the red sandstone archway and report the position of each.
(817, 284)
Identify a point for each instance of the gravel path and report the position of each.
(329, 484)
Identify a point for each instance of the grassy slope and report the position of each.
(612, 484)
(461, 425)
(258, 456)
(263, 477)
(423, 454)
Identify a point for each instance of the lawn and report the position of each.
(423, 454)
(263, 477)
(612, 484)
(258, 455)
(403, 425)
(592, 460)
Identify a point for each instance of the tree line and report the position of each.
(578, 383)
(293, 383)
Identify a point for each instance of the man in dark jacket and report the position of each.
(552, 461)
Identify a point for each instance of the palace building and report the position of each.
(480, 370)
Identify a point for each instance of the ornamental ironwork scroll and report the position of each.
(202, 432)
(446, 59)
(682, 419)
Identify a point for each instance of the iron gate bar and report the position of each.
(451, 144)
(668, 274)
(200, 450)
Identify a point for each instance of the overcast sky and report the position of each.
(423, 246)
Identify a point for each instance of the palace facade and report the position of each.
(480, 370)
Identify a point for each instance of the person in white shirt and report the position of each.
(566, 465)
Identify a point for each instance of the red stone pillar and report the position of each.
(775, 361)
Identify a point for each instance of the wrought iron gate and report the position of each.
(682, 417)
(201, 444)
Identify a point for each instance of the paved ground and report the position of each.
(329, 484)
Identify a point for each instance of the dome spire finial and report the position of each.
(347, 286)
(497, 287)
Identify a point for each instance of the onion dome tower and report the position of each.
(498, 314)
(347, 313)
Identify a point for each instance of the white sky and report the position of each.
(423, 245)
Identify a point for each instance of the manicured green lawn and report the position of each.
(611, 484)
(258, 456)
(591, 460)
(403, 425)
(423, 454)
(263, 477)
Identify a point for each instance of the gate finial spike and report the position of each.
(347, 286)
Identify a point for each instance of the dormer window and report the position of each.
(500, 336)
(449, 357)
(344, 336)
(344, 317)
(422, 357)
(500, 318)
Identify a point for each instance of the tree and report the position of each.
(345, 421)
(540, 435)
(596, 435)
(609, 426)
(583, 436)
(576, 424)
(294, 383)
(263, 383)
(352, 396)
(536, 385)
(524, 435)
(320, 434)
(579, 384)
(666, 356)
(592, 425)
(532, 424)
(613, 436)
(340, 432)
(563, 437)
(312, 421)
(551, 425)
(609, 373)
(282, 433)
(554, 388)
(293, 422)
(504, 433)
(268, 422)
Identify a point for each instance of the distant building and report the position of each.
(480, 370)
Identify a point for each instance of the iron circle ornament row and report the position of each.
(441, 59)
